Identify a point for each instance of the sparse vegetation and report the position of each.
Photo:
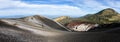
(63, 20)
(106, 16)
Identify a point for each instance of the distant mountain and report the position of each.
(107, 11)
(105, 16)
(13, 16)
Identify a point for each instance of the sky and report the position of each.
(53, 8)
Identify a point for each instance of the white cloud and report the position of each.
(95, 5)
(18, 7)
(12, 7)
(113, 3)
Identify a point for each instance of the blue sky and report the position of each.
(51, 8)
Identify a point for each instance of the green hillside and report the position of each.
(106, 16)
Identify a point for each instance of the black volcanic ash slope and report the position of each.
(36, 21)
(33, 29)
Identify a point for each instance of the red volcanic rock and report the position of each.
(81, 26)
